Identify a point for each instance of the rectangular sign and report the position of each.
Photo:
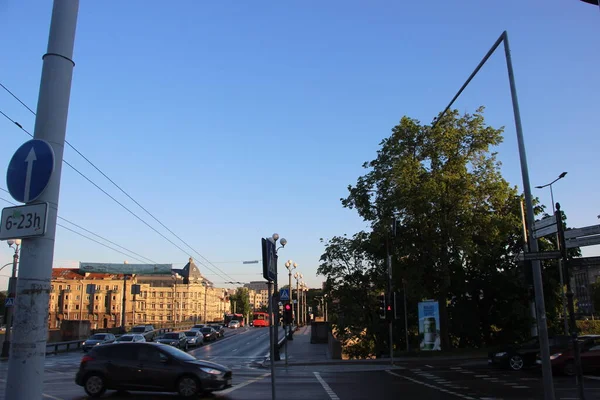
(545, 231)
(127, 269)
(584, 241)
(429, 325)
(135, 289)
(23, 221)
(269, 259)
(542, 255)
(542, 223)
(585, 231)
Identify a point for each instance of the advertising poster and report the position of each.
(429, 325)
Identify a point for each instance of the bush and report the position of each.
(590, 327)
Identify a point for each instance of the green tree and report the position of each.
(459, 227)
(240, 301)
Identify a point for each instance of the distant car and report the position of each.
(220, 330)
(149, 367)
(197, 327)
(209, 334)
(194, 338)
(177, 339)
(97, 339)
(516, 357)
(147, 331)
(234, 324)
(130, 338)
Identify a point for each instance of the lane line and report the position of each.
(428, 366)
(51, 397)
(327, 388)
(430, 386)
(241, 385)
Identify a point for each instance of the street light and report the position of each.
(12, 286)
(560, 267)
(325, 304)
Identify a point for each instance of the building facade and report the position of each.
(182, 296)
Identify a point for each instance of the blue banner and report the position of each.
(429, 325)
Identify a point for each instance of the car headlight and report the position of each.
(211, 371)
(555, 356)
(97, 344)
(501, 354)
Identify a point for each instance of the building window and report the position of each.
(161, 294)
(96, 297)
(66, 297)
(115, 287)
(66, 306)
(68, 287)
(114, 297)
(153, 294)
(98, 287)
(77, 297)
(95, 307)
(113, 307)
(77, 306)
(168, 317)
(106, 287)
(87, 297)
(161, 305)
(59, 287)
(78, 287)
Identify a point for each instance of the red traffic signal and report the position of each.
(288, 316)
(288, 307)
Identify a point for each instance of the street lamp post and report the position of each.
(12, 285)
(297, 310)
(560, 265)
(205, 291)
(325, 305)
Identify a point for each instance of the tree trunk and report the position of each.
(444, 328)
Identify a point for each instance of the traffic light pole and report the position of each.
(390, 300)
(272, 327)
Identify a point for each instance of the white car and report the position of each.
(130, 338)
(194, 338)
(234, 324)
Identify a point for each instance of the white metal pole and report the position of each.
(28, 348)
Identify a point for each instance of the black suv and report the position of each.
(177, 339)
(149, 367)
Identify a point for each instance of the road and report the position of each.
(245, 349)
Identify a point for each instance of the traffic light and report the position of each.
(382, 307)
(288, 316)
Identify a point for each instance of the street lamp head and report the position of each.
(295, 265)
(283, 242)
(296, 274)
(562, 175)
(10, 242)
(275, 236)
(539, 187)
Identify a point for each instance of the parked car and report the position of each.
(147, 331)
(197, 327)
(130, 338)
(177, 339)
(209, 334)
(194, 338)
(149, 367)
(234, 324)
(220, 330)
(516, 357)
(97, 339)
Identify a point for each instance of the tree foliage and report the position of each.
(240, 301)
(458, 232)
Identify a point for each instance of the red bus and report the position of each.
(261, 319)
(230, 317)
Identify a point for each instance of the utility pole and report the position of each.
(28, 348)
(124, 305)
(12, 286)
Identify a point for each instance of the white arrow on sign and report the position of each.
(29, 160)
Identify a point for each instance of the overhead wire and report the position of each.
(221, 273)
(93, 240)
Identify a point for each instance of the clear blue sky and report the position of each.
(233, 120)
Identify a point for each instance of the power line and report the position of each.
(89, 238)
(117, 186)
(222, 274)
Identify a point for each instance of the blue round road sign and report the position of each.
(29, 170)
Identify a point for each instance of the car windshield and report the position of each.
(191, 334)
(216, 326)
(234, 322)
(127, 338)
(178, 354)
(98, 336)
(206, 330)
(171, 336)
(138, 329)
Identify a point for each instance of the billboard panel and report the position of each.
(429, 325)
(128, 269)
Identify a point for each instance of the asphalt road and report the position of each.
(244, 350)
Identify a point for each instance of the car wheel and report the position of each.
(569, 368)
(94, 385)
(188, 386)
(515, 362)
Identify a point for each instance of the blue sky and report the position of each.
(233, 120)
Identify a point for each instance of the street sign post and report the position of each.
(23, 221)
(29, 170)
(284, 295)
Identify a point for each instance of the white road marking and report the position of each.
(520, 387)
(51, 397)
(431, 386)
(241, 385)
(328, 390)
(429, 366)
